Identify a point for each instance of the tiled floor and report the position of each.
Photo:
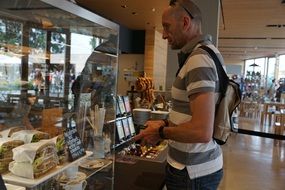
(253, 163)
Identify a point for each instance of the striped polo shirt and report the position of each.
(197, 75)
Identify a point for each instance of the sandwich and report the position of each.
(8, 132)
(30, 136)
(6, 154)
(34, 159)
(61, 148)
(7, 145)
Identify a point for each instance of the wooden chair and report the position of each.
(279, 123)
(249, 109)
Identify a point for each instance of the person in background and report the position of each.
(38, 80)
(279, 91)
(194, 159)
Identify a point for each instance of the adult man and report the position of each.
(194, 159)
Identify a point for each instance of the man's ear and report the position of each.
(186, 22)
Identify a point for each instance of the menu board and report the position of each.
(74, 144)
(121, 105)
(126, 128)
(118, 112)
(127, 104)
(131, 126)
(120, 130)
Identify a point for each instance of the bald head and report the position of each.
(180, 25)
(189, 6)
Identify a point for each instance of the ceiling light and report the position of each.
(124, 6)
(153, 9)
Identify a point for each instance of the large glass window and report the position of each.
(271, 70)
(10, 56)
(281, 72)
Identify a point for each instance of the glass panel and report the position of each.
(58, 70)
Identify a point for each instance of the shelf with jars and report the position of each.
(252, 83)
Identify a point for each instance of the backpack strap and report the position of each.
(223, 78)
(182, 57)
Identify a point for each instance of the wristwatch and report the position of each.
(166, 122)
(160, 132)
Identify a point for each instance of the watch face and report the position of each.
(126, 127)
(120, 130)
(127, 104)
(131, 125)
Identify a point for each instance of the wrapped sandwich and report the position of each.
(30, 136)
(8, 132)
(61, 148)
(6, 154)
(34, 159)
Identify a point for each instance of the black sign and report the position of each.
(74, 144)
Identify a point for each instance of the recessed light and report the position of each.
(124, 6)
(153, 9)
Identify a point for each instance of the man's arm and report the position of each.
(198, 130)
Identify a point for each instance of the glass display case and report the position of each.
(58, 70)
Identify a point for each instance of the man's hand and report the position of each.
(150, 135)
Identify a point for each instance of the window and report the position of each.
(281, 73)
(271, 70)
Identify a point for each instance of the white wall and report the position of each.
(128, 61)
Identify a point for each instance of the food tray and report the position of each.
(16, 180)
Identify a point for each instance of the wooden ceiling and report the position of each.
(247, 29)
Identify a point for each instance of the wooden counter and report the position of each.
(140, 174)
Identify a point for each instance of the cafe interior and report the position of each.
(49, 47)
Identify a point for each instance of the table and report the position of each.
(269, 109)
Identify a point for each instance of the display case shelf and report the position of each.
(25, 182)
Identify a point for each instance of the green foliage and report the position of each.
(93, 42)
(16, 85)
(37, 39)
(57, 42)
(10, 33)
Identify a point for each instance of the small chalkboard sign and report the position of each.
(74, 144)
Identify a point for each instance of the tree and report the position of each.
(10, 34)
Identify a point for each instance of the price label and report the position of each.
(74, 144)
